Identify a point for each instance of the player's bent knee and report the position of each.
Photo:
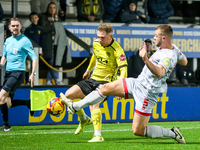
(137, 132)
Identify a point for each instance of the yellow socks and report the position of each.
(97, 121)
(81, 114)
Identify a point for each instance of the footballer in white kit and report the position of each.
(147, 86)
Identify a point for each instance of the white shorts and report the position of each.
(144, 100)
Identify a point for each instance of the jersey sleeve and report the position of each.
(92, 63)
(120, 58)
(123, 72)
(29, 49)
(4, 49)
(121, 62)
(166, 62)
(179, 56)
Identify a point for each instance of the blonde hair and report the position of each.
(15, 19)
(166, 30)
(105, 27)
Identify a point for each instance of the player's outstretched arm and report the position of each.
(184, 61)
(158, 70)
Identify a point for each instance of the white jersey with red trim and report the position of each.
(168, 59)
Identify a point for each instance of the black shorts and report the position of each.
(89, 85)
(13, 79)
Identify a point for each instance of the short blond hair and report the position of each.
(105, 27)
(15, 19)
(166, 30)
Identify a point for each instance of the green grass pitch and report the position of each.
(118, 136)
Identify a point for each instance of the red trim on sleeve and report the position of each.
(125, 88)
(142, 114)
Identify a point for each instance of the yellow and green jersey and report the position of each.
(107, 61)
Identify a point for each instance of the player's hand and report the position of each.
(118, 98)
(32, 79)
(143, 51)
(86, 75)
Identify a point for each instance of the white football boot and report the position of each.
(68, 102)
(179, 138)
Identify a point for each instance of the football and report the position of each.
(55, 106)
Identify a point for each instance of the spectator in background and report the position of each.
(39, 6)
(90, 10)
(159, 11)
(54, 42)
(190, 10)
(34, 32)
(136, 63)
(125, 5)
(62, 14)
(1, 13)
(132, 15)
(112, 9)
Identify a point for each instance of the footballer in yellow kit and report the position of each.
(107, 59)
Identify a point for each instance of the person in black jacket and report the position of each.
(47, 21)
(132, 15)
(159, 11)
(136, 63)
(90, 10)
(34, 32)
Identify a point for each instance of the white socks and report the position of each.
(157, 131)
(97, 132)
(91, 99)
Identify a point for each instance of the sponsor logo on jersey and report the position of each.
(15, 50)
(166, 61)
(108, 54)
(102, 60)
(122, 57)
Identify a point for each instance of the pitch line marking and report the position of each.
(6, 132)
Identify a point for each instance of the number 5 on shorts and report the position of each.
(145, 104)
